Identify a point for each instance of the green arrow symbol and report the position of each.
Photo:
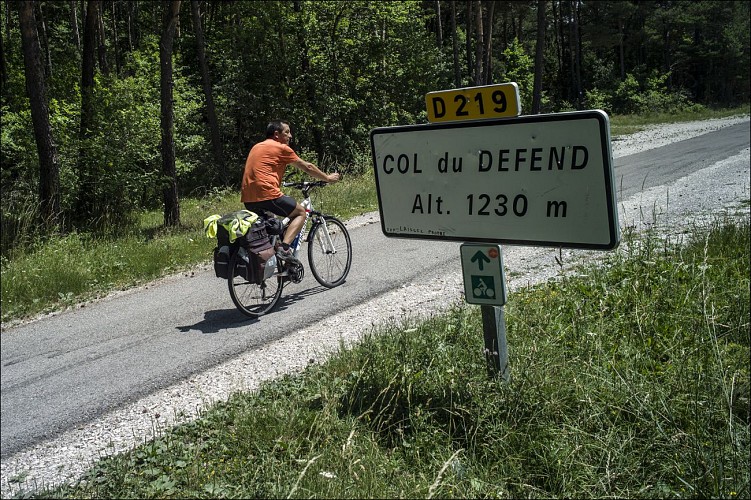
(479, 257)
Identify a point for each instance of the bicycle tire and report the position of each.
(330, 269)
(252, 299)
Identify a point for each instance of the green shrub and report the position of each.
(651, 96)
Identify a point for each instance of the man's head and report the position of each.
(279, 131)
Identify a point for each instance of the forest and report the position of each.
(114, 106)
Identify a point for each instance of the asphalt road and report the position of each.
(62, 371)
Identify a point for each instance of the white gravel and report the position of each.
(724, 185)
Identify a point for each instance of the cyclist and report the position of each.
(262, 181)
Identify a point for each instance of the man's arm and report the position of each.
(314, 171)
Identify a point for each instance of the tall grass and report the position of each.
(630, 379)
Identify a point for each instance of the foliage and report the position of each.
(519, 67)
(336, 70)
(631, 98)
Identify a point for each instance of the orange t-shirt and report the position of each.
(264, 170)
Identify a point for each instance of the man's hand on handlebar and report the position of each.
(332, 178)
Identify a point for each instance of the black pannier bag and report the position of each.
(221, 261)
(215, 227)
(260, 250)
(223, 251)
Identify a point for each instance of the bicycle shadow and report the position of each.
(228, 319)
(218, 320)
(287, 299)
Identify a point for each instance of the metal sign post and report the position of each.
(485, 284)
(496, 348)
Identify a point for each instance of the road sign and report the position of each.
(473, 103)
(484, 279)
(544, 180)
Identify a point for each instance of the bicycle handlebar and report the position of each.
(304, 185)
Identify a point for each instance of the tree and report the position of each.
(309, 84)
(87, 176)
(439, 27)
(468, 29)
(49, 169)
(487, 77)
(3, 66)
(539, 58)
(74, 25)
(479, 44)
(171, 202)
(216, 143)
(455, 47)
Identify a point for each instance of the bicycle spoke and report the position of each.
(330, 252)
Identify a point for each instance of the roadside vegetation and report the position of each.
(630, 378)
(45, 276)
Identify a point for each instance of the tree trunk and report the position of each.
(622, 48)
(131, 25)
(577, 53)
(574, 95)
(559, 39)
(171, 202)
(101, 48)
(74, 36)
(310, 90)
(85, 201)
(488, 35)
(470, 66)
(479, 44)
(3, 65)
(115, 45)
(455, 43)
(539, 58)
(87, 65)
(44, 43)
(439, 28)
(49, 169)
(216, 143)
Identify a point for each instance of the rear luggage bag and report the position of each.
(231, 232)
(262, 258)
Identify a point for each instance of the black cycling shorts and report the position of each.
(284, 205)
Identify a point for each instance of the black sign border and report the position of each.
(599, 115)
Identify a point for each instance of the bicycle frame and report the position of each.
(297, 242)
(327, 246)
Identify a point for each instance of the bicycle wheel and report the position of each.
(330, 252)
(250, 298)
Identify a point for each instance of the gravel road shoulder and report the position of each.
(696, 198)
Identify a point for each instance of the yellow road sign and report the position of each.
(473, 103)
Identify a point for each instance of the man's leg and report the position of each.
(296, 222)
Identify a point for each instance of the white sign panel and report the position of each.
(484, 279)
(542, 180)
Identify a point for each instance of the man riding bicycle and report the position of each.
(262, 181)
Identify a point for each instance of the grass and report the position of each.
(630, 379)
(629, 124)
